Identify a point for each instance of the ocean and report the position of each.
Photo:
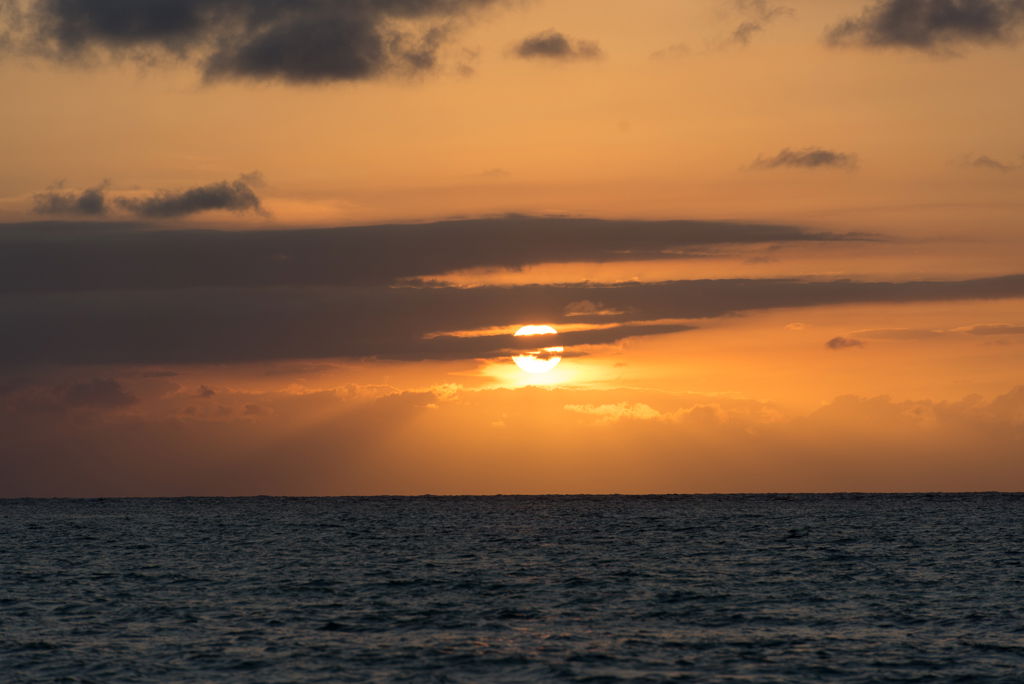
(756, 588)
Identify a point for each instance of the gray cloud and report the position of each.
(995, 329)
(555, 45)
(232, 196)
(99, 293)
(760, 13)
(930, 24)
(838, 343)
(985, 162)
(298, 41)
(89, 202)
(56, 257)
(229, 325)
(807, 158)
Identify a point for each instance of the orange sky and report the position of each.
(833, 302)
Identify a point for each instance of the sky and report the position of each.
(284, 248)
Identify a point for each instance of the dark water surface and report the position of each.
(514, 589)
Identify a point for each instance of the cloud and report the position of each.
(900, 334)
(234, 196)
(90, 202)
(552, 44)
(930, 25)
(237, 324)
(985, 162)
(299, 41)
(760, 13)
(755, 16)
(837, 343)
(611, 413)
(56, 258)
(994, 329)
(585, 307)
(745, 32)
(930, 334)
(807, 158)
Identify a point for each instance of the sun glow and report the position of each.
(542, 360)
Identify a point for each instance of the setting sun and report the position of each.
(542, 360)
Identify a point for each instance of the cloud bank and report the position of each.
(99, 293)
(95, 256)
(236, 325)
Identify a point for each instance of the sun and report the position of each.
(542, 360)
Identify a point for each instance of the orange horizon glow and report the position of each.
(769, 263)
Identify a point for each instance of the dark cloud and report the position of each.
(555, 45)
(205, 392)
(296, 40)
(90, 202)
(224, 325)
(930, 24)
(100, 393)
(807, 158)
(837, 343)
(231, 196)
(84, 256)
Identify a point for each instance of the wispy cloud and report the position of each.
(356, 255)
(758, 14)
(807, 158)
(983, 161)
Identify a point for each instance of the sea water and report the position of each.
(803, 588)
